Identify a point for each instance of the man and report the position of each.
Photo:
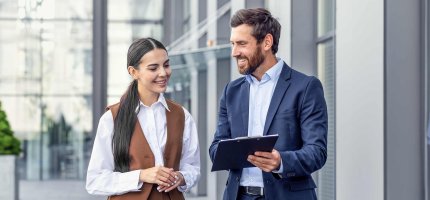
(271, 98)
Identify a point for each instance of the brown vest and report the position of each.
(141, 156)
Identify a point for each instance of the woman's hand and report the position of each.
(160, 175)
(179, 181)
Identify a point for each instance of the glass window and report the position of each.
(46, 84)
(135, 10)
(127, 22)
(326, 176)
(326, 72)
(46, 91)
(326, 12)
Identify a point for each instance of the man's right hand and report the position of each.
(158, 175)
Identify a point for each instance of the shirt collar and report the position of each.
(272, 74)
(161, 100)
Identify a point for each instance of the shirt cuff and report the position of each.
(280, 170)
(185, 188)
(129, 181)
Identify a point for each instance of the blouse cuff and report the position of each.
(187, 179)
(129, 181)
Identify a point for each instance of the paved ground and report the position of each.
(55, 190)
(60, 190)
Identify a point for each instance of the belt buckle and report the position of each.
(254, 190)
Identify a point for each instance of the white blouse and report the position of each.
(101, 178)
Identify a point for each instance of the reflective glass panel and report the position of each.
(46, 84)
(326, 13)
(326, 73)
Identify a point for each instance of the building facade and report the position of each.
(62, 62)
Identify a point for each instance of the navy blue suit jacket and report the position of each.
(298, 113)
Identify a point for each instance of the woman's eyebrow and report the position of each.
(152, 65)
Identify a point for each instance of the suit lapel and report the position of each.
(278, 95)
(244, 106)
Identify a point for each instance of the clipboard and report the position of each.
(233, 153)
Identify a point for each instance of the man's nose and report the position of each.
(234, 51)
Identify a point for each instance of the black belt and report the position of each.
(251, 190)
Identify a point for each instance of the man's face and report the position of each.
(245, 49)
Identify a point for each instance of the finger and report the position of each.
(161, 188)
(172, 187)
(162, 183)
(165, 170)
(166, 176)
(263, 164)
(170, 173)
(263, 154)
(252, 161)
(273, 161)
(163, 180)
(258, 159)
(173, 177)
(267, 167)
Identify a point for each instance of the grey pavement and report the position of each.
(55, 190)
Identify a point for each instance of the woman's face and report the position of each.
(153, 72)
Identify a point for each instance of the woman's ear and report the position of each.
(132, 71)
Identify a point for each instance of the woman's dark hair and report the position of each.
(126, 117)
(262, 22)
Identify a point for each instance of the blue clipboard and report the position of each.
(233, 153)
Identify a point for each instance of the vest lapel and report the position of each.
(175, 119)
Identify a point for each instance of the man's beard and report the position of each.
(253, 62)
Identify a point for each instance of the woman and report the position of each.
(146, 146)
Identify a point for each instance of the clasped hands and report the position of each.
(266, 161)
(166, 178)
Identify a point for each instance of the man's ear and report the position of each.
(132, 71)
(268, 42)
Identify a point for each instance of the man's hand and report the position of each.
(266, 161)
(158, 175)
(179, 181)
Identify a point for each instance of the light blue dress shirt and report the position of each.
(260, 95)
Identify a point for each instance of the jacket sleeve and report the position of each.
(313, 124)
(223, 126)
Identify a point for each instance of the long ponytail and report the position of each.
(124, 127)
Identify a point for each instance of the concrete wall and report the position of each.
(404, 100)
(359, 99)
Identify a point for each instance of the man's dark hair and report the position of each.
(262, 22)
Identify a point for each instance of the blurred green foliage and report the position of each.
(9, 144)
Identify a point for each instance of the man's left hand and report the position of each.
(266, 161)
